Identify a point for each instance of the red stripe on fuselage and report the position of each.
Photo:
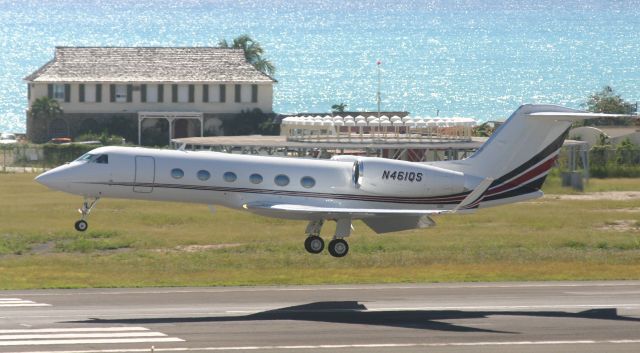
(526, 177)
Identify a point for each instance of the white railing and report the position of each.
(373, 129)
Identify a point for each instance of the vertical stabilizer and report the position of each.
(520, 143)
(521, 152)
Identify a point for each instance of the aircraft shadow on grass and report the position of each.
(352, 312)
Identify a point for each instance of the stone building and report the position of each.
(133, 91)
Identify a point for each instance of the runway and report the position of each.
(466, 317)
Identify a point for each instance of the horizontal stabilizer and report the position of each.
(475, 197)
(576, 116)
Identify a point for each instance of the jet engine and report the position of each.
(386, 177)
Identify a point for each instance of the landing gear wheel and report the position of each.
(314, 244)
(338, 248)
(81, 225)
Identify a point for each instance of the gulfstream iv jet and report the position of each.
(387, 195)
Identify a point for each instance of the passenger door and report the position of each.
(145, 174)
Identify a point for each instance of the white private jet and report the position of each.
(387, 195)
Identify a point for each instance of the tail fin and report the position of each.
(523, 150)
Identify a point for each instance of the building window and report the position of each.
(214, 93)
(255, 178)
(177, 173)
(183, 93)
(230, 177)
(121, 93)
(98, 93)
(281, 180)
(152, 93)
(58, 91)
(307, 182)
(238, 89)
(203, 175)
(90, 93)
(246, 93)
(254, 93)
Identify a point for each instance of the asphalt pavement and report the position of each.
(465, 317)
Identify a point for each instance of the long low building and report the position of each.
(127, 89)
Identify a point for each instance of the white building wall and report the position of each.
(265, 100)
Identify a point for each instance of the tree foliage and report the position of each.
(338, 108)
(250, 123)
(483, 130)
(252, 52)
(42, 112)
(607, 101)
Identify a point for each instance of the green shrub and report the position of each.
(60, 154)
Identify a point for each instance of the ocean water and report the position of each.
(472, 58)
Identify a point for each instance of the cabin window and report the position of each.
(102, 159)
(307, 182)
(177, 173)
(281, 180)
(203, 175)
(255, 178)
(230, 177)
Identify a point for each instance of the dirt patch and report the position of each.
(623, 210)
(594, 196)
(43, 248)
(621, 226)
(199, 248)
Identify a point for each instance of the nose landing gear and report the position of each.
(85, 210)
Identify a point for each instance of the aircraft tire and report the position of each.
(338, 247)
(81, 225)
(314, 244)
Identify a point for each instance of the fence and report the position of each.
(29, 158)
(621, 161)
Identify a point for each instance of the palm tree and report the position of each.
(338, 108)
(252, 52)
(42, 112)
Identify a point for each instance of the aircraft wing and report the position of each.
(470, 202)
(355, 212)
(380, 220)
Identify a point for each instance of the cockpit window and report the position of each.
(102, 159)
(85, 157)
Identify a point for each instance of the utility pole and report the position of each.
(378, 64)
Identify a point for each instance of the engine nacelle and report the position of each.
(388, 177)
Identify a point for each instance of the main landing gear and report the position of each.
(87, 206)
(338, 247)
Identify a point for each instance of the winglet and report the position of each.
(473, 199)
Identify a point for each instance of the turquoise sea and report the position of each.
(470, 58)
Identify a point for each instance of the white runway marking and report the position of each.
(513, 307)
(17, 302)
(621, 284)
(343, 346)
(70, 336)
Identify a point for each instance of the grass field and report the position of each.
(135, 243)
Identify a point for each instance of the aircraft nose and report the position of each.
(51, 179)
